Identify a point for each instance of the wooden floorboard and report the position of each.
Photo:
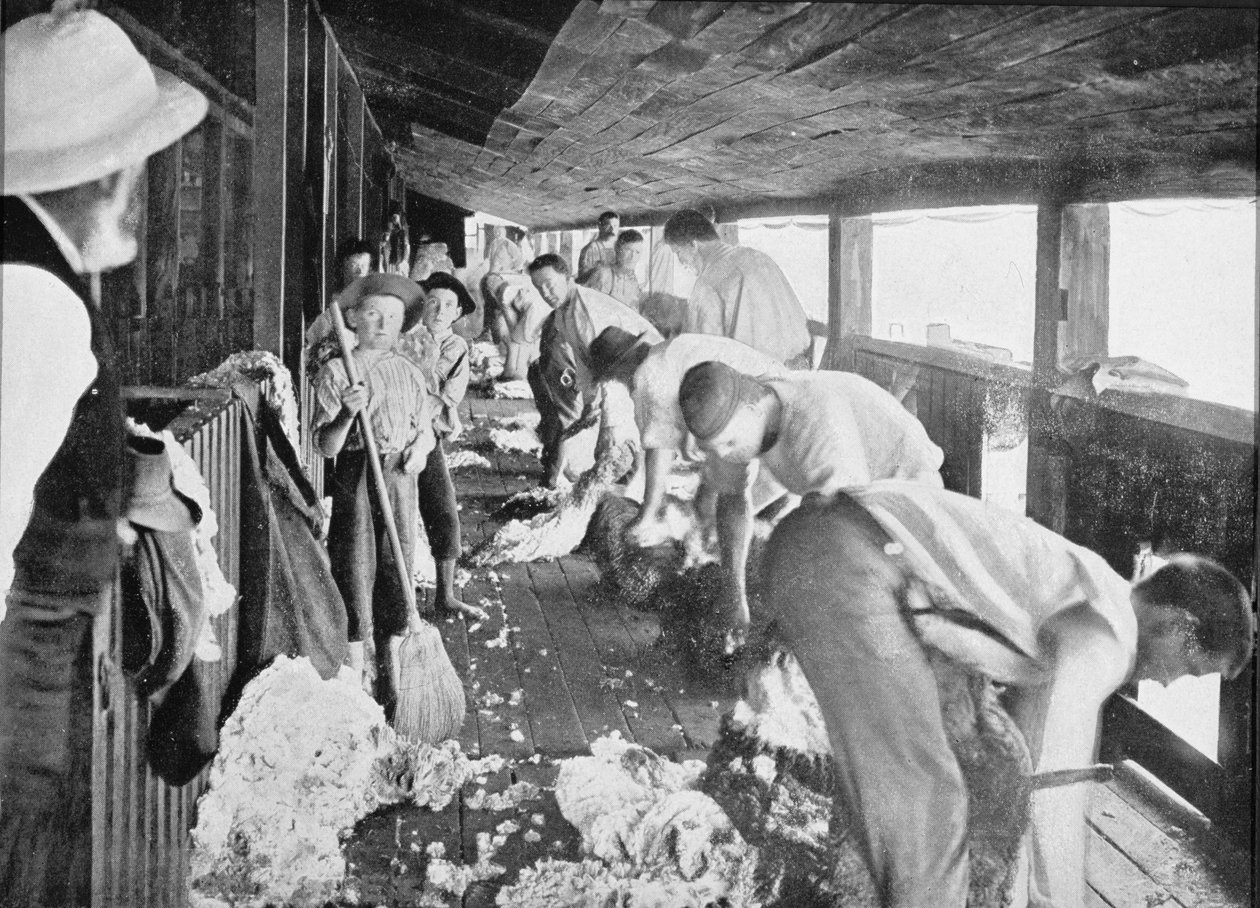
(577, 667)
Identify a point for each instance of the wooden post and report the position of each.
(296, 225)
(270, 185)
(849, 291)
(1085, 269)
(1046, 500)
(358, 159)
(328, 227)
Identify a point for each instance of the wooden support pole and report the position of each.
(296, 222)
(329, 207)
(851, 241)
(1047, 471)
(1085, 269)
(270, 185)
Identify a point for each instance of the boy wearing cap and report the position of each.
(394, 392)
(814, 432)
(83, 110)
(446, 300)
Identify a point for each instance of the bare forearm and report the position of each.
(331, 437)
(734, 528)
(656, 466)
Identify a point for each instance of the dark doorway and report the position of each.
(442, 221)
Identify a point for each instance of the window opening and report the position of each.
(963, 278)
(1182, 292)
(799, 246)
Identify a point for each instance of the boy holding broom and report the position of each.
(394, 394)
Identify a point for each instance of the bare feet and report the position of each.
(470, 612)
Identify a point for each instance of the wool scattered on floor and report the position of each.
(560, 530)
(653, 839)
(772, 773)
(463, 459)
(485, 363)
(517, 389)
(522, 439)
(285, 787)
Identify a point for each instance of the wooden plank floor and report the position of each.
(570, 668)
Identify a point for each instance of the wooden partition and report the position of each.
(1180, 475)
(140, 824)
(960, 400)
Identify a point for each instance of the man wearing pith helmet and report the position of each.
(83, 110)
(814, 432)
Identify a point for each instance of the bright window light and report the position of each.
(799, 247)
(1183, 292)
(973, 269)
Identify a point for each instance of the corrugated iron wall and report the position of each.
(140, 824)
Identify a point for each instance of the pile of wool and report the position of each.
(485, 363)
(558, 531)
(772, 773)
(273, 378)
(289, 781)
(514, 434)
(516, 389)
(653, 840)
(463, 459)
(527, 503)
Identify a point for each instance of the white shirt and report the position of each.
(46, 363)
(742, 293)
(657, 410)
(839, 431)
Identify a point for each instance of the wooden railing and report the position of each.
(140, 824)
(1129, 469)
(958, 398)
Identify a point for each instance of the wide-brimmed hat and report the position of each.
(154, 501)
(407, 290)
(614, 348)
(80, 102)
(440, 280)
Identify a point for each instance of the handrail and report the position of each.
(1205, 417)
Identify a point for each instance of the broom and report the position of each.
(430, 705)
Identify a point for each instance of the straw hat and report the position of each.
(384, 284)
(155, 503)
(81, 103)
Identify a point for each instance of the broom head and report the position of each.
(430, 694)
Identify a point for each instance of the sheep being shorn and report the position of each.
(772, 773)
(772, 770)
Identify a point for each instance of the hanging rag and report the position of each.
(289, 604)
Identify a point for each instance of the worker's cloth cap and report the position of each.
(154, 501)
(81, 103)
(411, 294)
(614, 347)
(709, 395)
(440, 280)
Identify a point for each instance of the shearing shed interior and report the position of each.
(1029, 230)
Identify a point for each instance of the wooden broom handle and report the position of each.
(373, 457)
